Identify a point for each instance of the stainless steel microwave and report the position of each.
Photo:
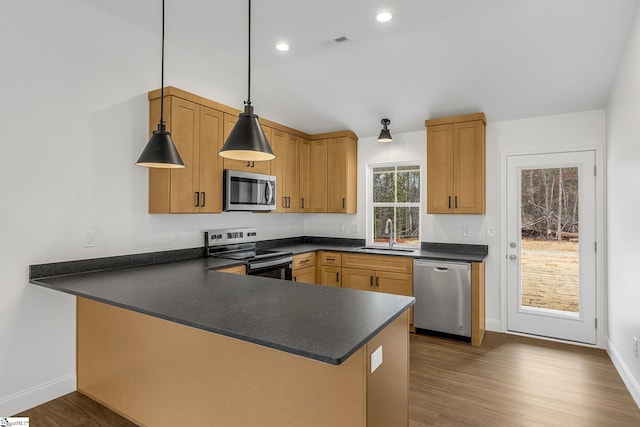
(246, 191)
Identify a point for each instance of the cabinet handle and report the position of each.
(377, 281)
(330, 259)
(343, 203)
(253, 164)
(301, 202)
(203, 199)
(304, 260)
(337, 277)
(370, 280)
(449, 202)
(288, 202)
(197, 199)
(456, 202)
(295, 279)
(248, 164)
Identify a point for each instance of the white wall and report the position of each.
(75, 117)
(563, 132)
(623, 208)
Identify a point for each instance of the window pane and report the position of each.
(408, 185)
(384, 185)
(380, 216)
(408, 225)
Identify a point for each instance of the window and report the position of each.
(395, 195)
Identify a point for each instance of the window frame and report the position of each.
(370, 205)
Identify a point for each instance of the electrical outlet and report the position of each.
(635, 346)
(376, 359)
(491, 233)
(89, 239)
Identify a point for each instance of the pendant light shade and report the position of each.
(247, 140)
(160, 151)
(385, 135)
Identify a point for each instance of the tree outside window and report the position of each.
(396, 196)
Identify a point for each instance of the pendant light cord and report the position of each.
(162, 73)
(248, 101)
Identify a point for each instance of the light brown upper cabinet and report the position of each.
(333, 173)
(318, 176)
(304, 165)
(456, 164)
(243, 165)
(342, 162)
(285, 169)
(197, 132)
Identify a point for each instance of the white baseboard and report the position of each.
(493, 325)
(625, 373)
(26, 399)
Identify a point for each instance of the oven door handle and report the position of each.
(270, 263)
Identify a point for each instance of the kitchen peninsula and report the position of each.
(177, 341)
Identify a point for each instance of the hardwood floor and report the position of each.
(509, 381)
(74, 409)
(515, 381)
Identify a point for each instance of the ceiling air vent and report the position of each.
(335, 41)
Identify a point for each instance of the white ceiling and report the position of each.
(511, 59)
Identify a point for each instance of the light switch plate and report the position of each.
(376, 359)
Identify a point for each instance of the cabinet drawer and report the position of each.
(395, 264)
(236, 269)
(330, 258)
(304, 260)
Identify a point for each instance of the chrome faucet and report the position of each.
(390, 229)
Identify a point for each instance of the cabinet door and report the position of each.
(395, 283)
(304, 164)
(210, 142)
(185, 125)
(318, 176)
(469, 167)
(305, 275)
(440, 169)
(356, 278)
(341, 166)
(291, 186)
(330, 275)
(277, 167)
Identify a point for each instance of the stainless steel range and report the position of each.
(240, 244)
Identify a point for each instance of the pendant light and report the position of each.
(385, 135)
(247, 140)
(160, 151)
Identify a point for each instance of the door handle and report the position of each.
(370, 280)
(197, 201)
(377, 281)
(301, 202)
(337, 277)
(449, 202)
(203, 199)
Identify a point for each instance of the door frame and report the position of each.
(600, 223)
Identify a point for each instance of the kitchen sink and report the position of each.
(382, 250)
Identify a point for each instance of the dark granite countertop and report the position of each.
(319, 322)
(438, 251)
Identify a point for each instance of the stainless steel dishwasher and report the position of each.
(443, 297)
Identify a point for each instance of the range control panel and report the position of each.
(230, 236)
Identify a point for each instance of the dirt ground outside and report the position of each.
(550, 274)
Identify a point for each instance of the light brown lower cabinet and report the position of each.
(154, 372)
(329, 268)
(236, 269)
(304, 268)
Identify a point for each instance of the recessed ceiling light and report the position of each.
(282, 47)
(383, 17)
